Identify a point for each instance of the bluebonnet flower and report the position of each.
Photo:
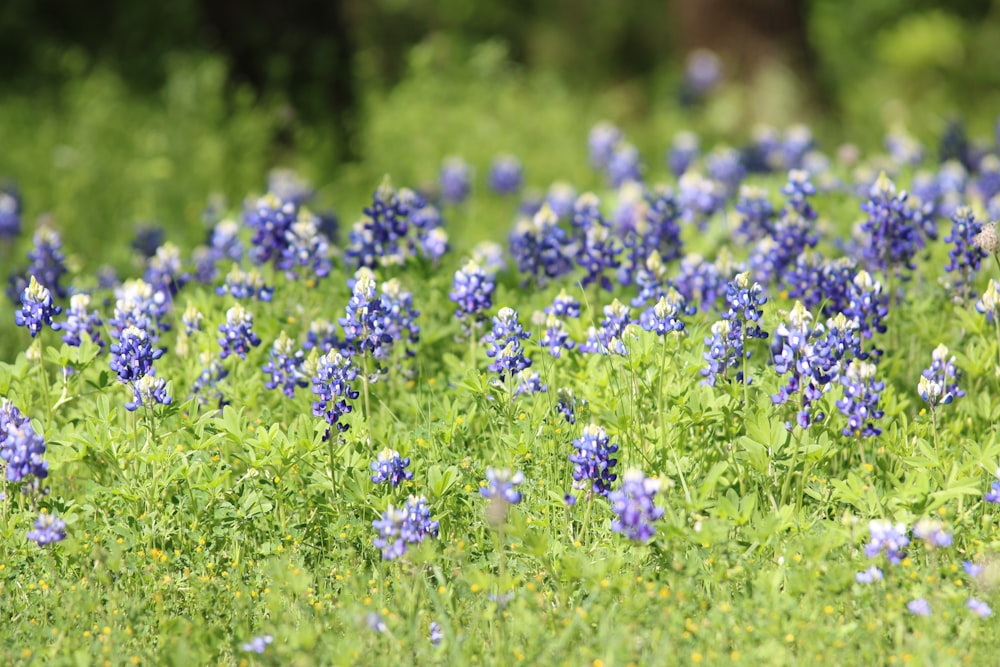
(972, 569)
(433, 244)
(891, 238)
(602, 141)
(397, 528)
(979, 608)
(138, 304)
(938, 384)
(903, 148)
(148, 237)
(699, 198)
(597, 254)
(48, 263)
(506, 175)
(322, 335)
(993, 495)
(725, 351)
(566, 404)
(377, 239)
(919, 607)
(10, 214)
(436, 633)
(561, 197)
(163, 270)
(798, 140)
(241, 284)
(745, 300)
(192, 319)
(80, 320)
(501, 486)
(869, 576)
(529, 382)
(797, 190)
(305, 247)
(133, 354)
(764, 153)
(147, 390)
(625, 165)
(988, 183)
(21, 448)
(564, 305)
(212, 372)
(270, 219)
(651, 279)
(284, 367)
(472, 291)
(49, 529)
(683, 151)
(702, 72)
(964, 257)
(390, 467)
(237, 333)
(224, 242)
(332, 386)
(287, 185)
(556, 338)
(541, 248)
(633, 506)
(700, 282)
(756, 214)
(808, 363)
(37, 308)
(820, 283)
(989, 304)
(725, 166)
(258, 644)
(652, 226)
(592, 462)
(609, 338)
(861, 397)
(868, 306)
(664, 316)
(932, 532)
(489, 255)
(455, 180)
(364, 323)
(399, 319)
(888, 537)
(504, 344)
(952, 180)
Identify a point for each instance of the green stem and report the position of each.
(663, 428)
(367, 404)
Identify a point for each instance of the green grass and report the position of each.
(191, 530)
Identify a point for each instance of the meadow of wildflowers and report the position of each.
(697, 402)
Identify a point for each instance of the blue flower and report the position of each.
(938, 384)
(993, 495)
(683, 151)
(602, 141)
(48, 263)
(888, 537)
(10, 214)
(258, 644)
(212, 373)
(147, 390)
(284, 367)
(861, 397)
(242, 284)
(503, 344)
(379, 236)
(332, 385)
(49, 529)
(37, 309)
(436, 633)
(633, 506)
(506, 175)
(725, 166)
(305, 247)
(919, 607)
(989, 304)
(365, 321)
(21, 448)
(869, 576)
(455, 180)
(390, 467)
(609, 338)
(133, 354)
(932, 532)
(556, 338)
(270, 219)
(163, 270)
(625, 165)
(472, 291)
(756, 214)
(566, 404)
(541, 248)
(664, 316)
(892, 237)
(237, 333)
(397, 528)
(501, 485)
(592, 462)
(80, 320)
(979, 608)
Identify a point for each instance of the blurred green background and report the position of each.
(116, 113)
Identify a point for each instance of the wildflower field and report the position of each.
(591, 398)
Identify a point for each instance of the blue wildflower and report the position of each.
(892, 238)
(610, 337)
(49, 529)
(80, 320)
(365, 321)
(270, 219)
(332, 386)
(888, 537)
(455, 180)
(10, 214)
(506, 175)
(861, 397)
(932, 532)
(501, 486)
(664, 316)
(979, 608)
(919, 607)
(504, 344)
(163, 270)
(390, 467)
(48, 263)
(633, 506)
(938, 384)
(133, 354)
(964, 257)
(602, 141)
(258, 644)
(284, 367)
(869, 576)
(397, 528)
(305, 247)
(37, 308)
(989, 304)
(21, 448)
(683, 151)
(147, 390)
(436, 633)
(592, 462)
(378, 238)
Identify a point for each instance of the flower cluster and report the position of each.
(49, 529)
(332, 385)
(147, 390)
(37, 308)
(808, 361)
(541, 248)
(472, 291)
(397, 528)
(664, 316)
(504, 345)
(506, 175)
(305, 247)
(365, 321)
(284, 367)
(455, 180)
(861, 398)
(892, 239)
(270, 219)
(241, 284)
(989, 304)
(888, 537)
(633, 506)
(163, 270)
(592, 462)
(964, 257)
(501, 486)
(390, 467)
(237, 333)
(258, 644)
(48, 263)
(80, 320)
(10, 214)
(938, 384)
(609, 338)
(21, 448)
